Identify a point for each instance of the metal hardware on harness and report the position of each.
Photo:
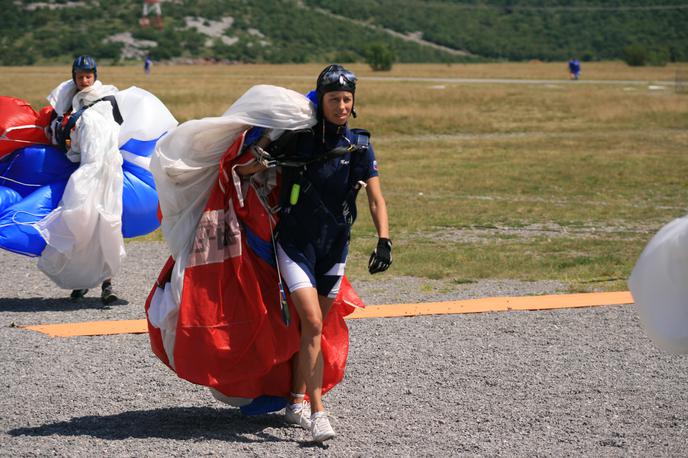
(262, 157)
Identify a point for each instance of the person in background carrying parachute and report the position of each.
(70, 99)
(323, 168)
(75, 178)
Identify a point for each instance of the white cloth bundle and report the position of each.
(659, 284)
(84, 233)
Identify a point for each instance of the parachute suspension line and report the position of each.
(16, 140)
(9, 167)
(25, 126)
(27, 223)
(4, 136)
(284, 305)
(22, 223)
(19, 182)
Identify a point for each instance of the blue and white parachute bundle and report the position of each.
(35, 179)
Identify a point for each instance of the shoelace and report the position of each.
(306, 407)
(332, 417)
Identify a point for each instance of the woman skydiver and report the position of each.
(314, 229)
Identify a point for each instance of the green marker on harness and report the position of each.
(294, 196)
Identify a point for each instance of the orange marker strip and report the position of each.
(91, 328)
(489, 304)
(495, 304)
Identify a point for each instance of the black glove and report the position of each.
(381, 258)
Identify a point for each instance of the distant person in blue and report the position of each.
(147, 65)
(318, 210)
(574, 69)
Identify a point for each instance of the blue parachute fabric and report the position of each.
(139, 172)
(8, 197)
(16, 231)
(313, 97)
(253, 135)
(264, 404)
(140, 201)
(32, 182)
(29, 168)
(260, 247)
(39, 174)
(143, 148)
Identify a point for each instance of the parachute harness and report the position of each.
(63, 132)
(279, 153)
(262, 193)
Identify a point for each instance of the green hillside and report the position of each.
(531, 29)
(318, 30)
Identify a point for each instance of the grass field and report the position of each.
(542, 180)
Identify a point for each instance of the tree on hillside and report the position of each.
(637, 55)
(380, 57)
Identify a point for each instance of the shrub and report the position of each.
(659, 58)
(635, 55)
(380, 57)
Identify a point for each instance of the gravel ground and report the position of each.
(574, 382)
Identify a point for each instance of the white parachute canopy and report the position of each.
(146, 119)
(659, 284)
(84, 233)
(145, 116)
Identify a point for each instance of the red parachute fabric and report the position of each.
(18, 121)
(230, 335)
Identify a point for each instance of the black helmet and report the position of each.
(84, 64)
(334, 78)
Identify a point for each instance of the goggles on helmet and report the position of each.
(336, 78)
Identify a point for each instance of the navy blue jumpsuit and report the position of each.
(314, 233)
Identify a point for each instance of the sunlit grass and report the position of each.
(563, 180)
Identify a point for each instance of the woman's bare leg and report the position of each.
(308, 363)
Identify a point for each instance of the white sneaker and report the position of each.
(321, 428)
(298, 417)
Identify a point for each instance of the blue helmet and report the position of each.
(84, 64)
(334, 77)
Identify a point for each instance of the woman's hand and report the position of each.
(381, 258)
